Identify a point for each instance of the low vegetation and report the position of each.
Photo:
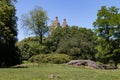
(54, 58)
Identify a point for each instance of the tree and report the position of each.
(107, 29)
(73, 41)
(54, 39)
(78, 43)
(36, 22)
(30, 47)
(9, 53)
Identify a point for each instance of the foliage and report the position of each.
(50, 58)
(9, 53)
(30, 46)
(73, 41)
(107, 29)
(36, 22)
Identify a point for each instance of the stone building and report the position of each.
(64, 23)
(56, 24)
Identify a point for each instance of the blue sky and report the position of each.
(81, 13)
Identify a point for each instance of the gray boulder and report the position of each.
(89, 63)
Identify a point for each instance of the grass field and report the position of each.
(57, 72)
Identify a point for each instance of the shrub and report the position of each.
(50, 58)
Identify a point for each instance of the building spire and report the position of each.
(56, 22)
(64, 23)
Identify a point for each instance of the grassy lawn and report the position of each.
(59, 72)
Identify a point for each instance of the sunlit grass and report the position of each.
(59, 72)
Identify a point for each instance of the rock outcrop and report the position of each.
(89, 63)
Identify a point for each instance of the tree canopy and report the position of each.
(9, 54)
(36, 22)
(73, 41)
(107, 29)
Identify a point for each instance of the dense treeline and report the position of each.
(73, 41)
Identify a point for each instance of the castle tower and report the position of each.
(64, 23)
(56, 23)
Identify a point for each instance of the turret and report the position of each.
(64, 23)
(56, 23)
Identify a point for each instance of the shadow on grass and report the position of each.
(19, 66)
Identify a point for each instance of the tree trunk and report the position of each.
(116, 63)
(40, 41)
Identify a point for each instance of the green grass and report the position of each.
(63, 72)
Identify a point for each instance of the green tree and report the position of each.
(9, 53)
(54, 39)
(78, 43)
(73, 41)
(30, 47)
(36, 22)
(107, 29)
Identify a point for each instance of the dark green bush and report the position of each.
(54, 58)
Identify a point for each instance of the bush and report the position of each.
(50, 58)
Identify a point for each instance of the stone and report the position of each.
(89, 63)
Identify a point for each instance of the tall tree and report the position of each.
(36, 22)
(107, 29)
(9, 53)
